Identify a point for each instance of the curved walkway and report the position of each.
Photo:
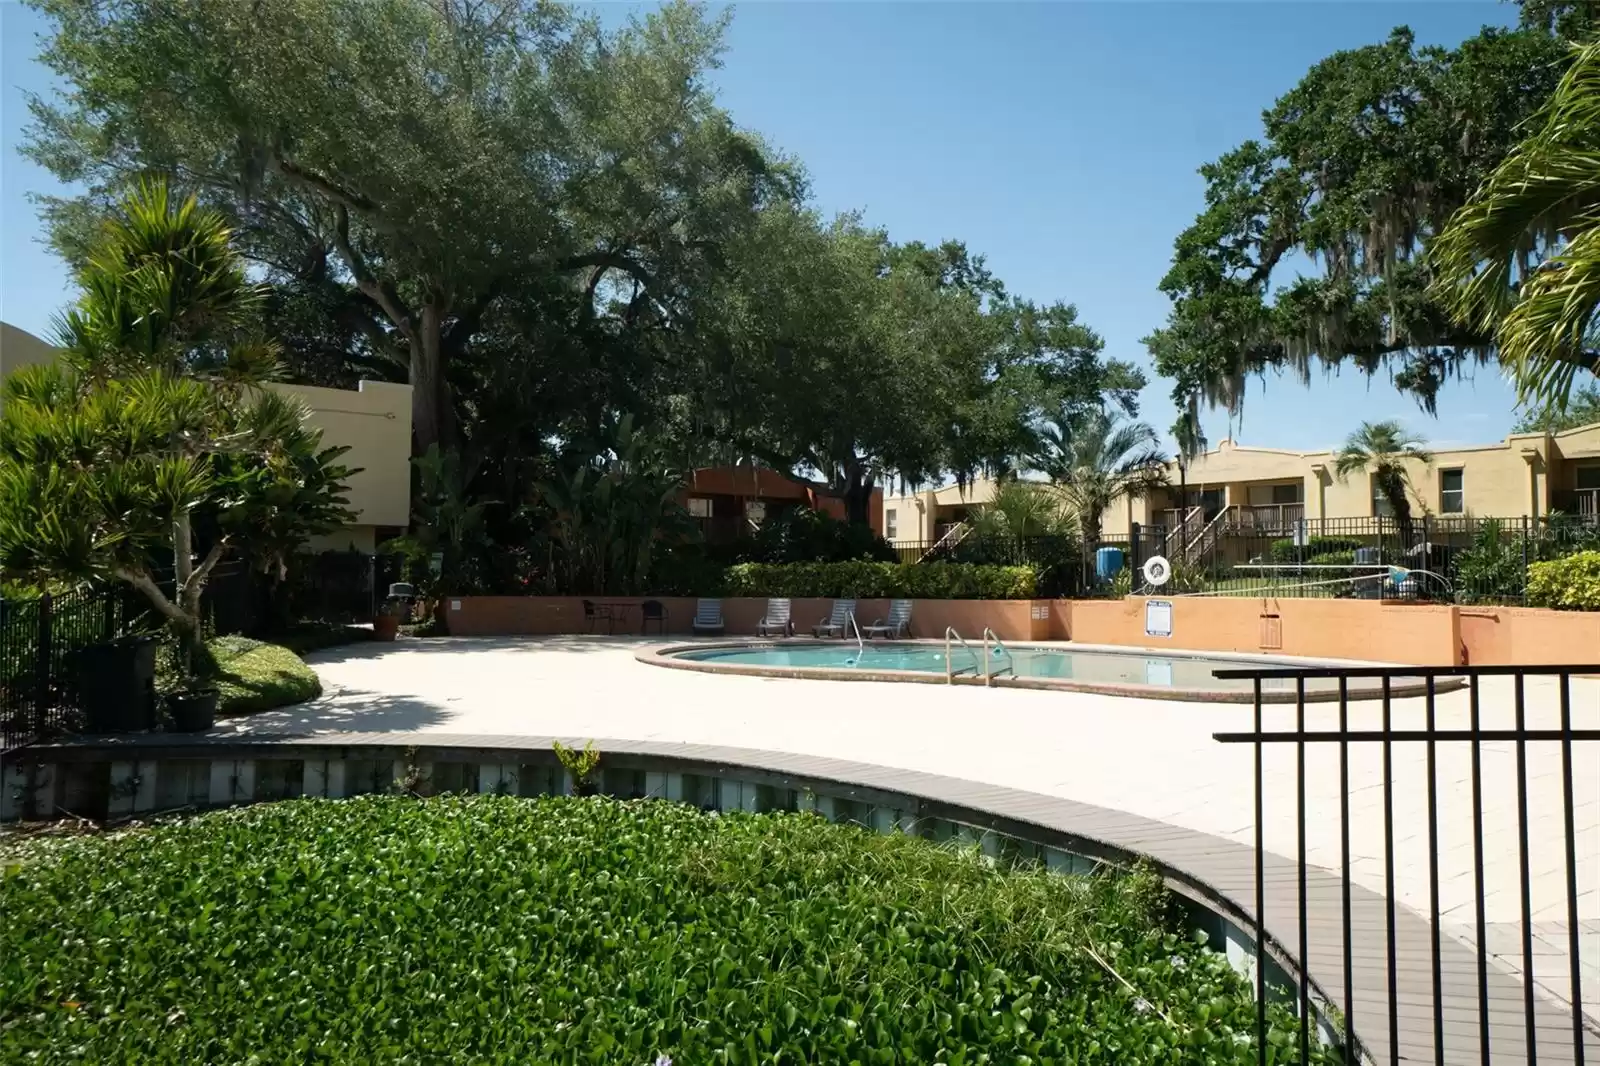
(1150, 766)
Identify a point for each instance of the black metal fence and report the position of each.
(1066, 566)
(42, 639)
(1484, 960)
(41, 644)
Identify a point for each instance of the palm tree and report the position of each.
(1382, 449)
(1191, 440)
(1543, 200)
(1096, 460)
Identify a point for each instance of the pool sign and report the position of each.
(1158, 618)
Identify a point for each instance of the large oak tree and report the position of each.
(1313, 247)
(402, 165)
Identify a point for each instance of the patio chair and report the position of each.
(593, 614)
(777, 619)
(834, 625)
(652, 611)
(708, 618)
(898, 624)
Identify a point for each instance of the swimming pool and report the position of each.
(1115, 672)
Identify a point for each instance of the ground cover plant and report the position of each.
(249, 675)
(496, 929)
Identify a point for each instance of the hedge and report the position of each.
(492, 929)
(1287, 551)
(872, 580)
(1571, 583)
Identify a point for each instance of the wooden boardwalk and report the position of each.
(1217, 871)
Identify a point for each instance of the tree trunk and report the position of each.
(432, 416)
(857, 494)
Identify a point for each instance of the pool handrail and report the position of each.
(861, 645)
(949, 667)
(988, 636)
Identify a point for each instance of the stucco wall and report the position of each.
(19, 348)
(1529, 636)
(542, 615)
(1417, 634)
(374, 422)
(1413, 634)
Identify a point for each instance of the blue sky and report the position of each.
(1060, 140)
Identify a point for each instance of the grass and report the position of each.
(491, 929)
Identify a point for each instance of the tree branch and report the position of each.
(379, 292)
(146, 584)
(610, 261)
(197, 580)
(317, 183)
(469, 321)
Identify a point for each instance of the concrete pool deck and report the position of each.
(1152, 758)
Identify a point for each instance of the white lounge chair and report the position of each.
(834, 625)
(898, 624)
(777, 619)
(708, 618)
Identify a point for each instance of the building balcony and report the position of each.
(1278, 519)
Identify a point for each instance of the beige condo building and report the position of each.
(1267, 491)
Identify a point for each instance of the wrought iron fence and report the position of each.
(41, 640)
(1490, 791)
(1448, 559)
(1066, 566)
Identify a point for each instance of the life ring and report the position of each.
(1157, 571)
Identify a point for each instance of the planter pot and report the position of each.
(385, 627)
(193, 712)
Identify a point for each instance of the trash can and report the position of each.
(1107, 563)
(117, 685)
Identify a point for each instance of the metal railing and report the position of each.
(989, 638)
(41, 644)
(950, 670)
(1371, 959)
(861, 645)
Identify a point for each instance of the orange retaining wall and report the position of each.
(485, 616)
(1415, 634)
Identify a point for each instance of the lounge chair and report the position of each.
(834, 625)
(898, 624)
(708, 618)
(777, 619)
(652, 611)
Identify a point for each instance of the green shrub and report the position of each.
(874, 580)
(1285, 550)
(1568, 584)
(495, 929)
(1491, 569)
(252, 676)
(1334, 558)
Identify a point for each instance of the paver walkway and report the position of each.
(1155, 759)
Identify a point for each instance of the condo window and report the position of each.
(1589, 477)
(699, 506)
(890, 527)
(1286, 494)
(1452, 494)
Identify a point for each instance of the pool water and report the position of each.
(1108, 668)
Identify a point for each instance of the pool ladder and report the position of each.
(989, 639)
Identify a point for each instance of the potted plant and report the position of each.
(192, 705)
(386, 623)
